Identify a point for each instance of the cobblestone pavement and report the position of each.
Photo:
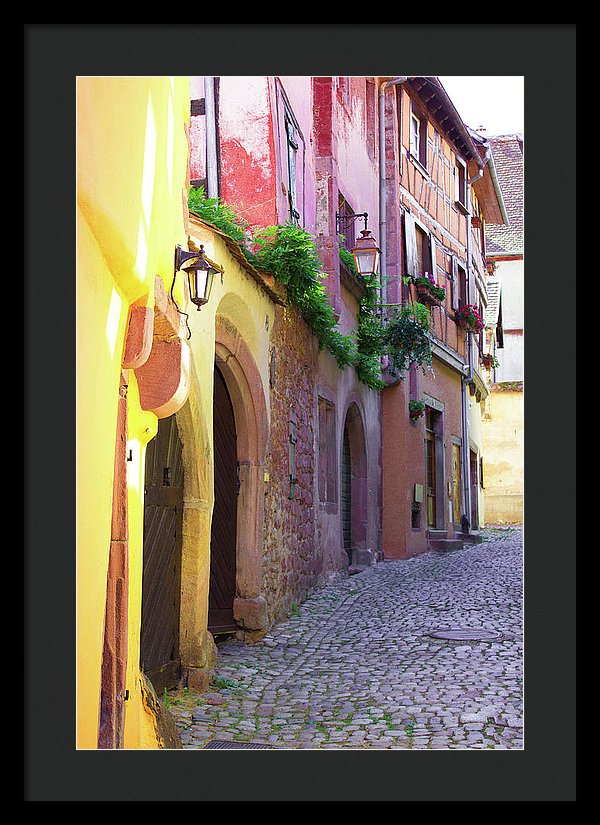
(357, 666)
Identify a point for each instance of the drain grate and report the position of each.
(465, 634)
(222, 744)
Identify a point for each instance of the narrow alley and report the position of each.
(424, 653)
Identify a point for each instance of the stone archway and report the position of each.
(354, 464)
(196, 646)
(246, 392)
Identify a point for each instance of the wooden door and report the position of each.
(347, 495)
(224, 521)
(474, 491)
(456, 484)
(161, 579)
(431, 470)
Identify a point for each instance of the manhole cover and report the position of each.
(222, 744)
(465, 634)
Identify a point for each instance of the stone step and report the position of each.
(470, 538)
(445, 545)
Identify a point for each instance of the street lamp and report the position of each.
(366, 253)
(200, 271)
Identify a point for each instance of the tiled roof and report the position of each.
(507, 151)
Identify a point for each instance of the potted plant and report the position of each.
(407, 338)
(468, 318)
(428, 291)
(489, 361)
(415, 410)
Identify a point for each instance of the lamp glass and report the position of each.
(366, 260)
(200, 284)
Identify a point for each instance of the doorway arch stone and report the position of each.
(245, 386)
(354, 434)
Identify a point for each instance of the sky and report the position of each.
(495, 102)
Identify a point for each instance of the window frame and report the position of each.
(327, 457)
(292, 142)
(420, 156)
(460, 185)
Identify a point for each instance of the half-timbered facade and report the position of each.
(438, 193)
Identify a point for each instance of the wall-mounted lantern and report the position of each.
(366, 252)
(200, 271)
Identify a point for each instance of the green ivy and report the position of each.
(217, 213)
(288, 253)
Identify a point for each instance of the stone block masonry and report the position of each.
(291, 563)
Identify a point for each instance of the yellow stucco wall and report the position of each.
(132, 167)
(132, 163)
(503, 439)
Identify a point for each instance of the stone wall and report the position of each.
(291, 561)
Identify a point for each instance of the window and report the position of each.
(327, 452)
(423, 251)
(459, 285)
(419, 247)
(460, 178)
(418, 138)
(292, 159)
(346, 223)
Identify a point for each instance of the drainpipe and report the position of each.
(396, 81)
(212, 169)
(468, 377)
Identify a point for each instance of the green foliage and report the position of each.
(288, 253)
(348, 258)
(215, 212)
(371, 343)
(408, 337)
(437, 291)
(416, 409)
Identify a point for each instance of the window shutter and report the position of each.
(455, 295)
(410, 245)
(433, 256)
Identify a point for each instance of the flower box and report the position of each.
(425, 296)
(415, 410)
(468, 317)
(489, 361)
(428, 291)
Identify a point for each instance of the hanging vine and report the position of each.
(288, 253)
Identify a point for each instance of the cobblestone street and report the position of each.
(424, 653)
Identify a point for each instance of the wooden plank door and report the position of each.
(224, 521)
(430, 472)
(456, 485)
(161, 579)
(474, 491)
(347, 495)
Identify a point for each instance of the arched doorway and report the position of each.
(346, 496)
(354, 486)
(161, 578)
(223, 544)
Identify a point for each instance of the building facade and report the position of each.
(293, 150)
(437, 194)
(503, 418)
(238, 449)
